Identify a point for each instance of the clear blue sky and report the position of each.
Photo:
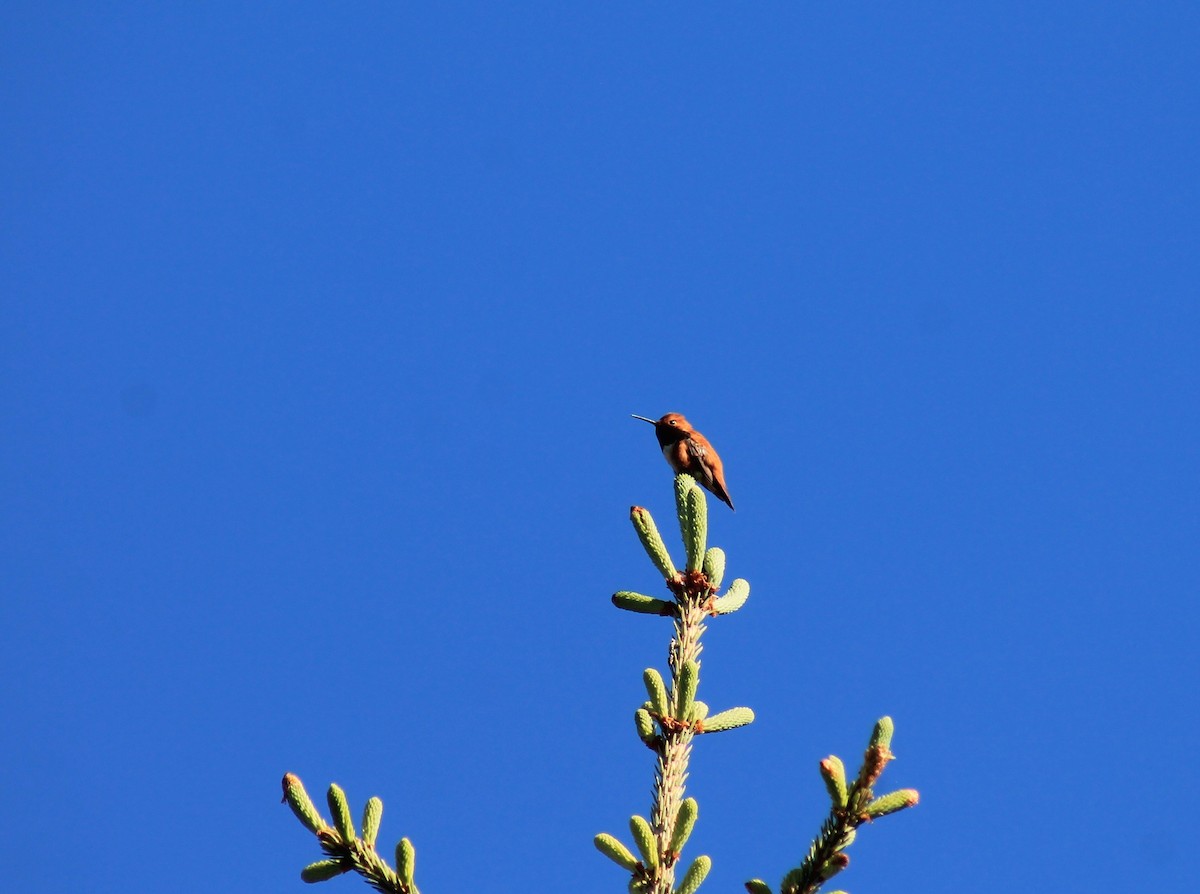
(321, 328)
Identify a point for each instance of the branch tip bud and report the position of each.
(833, 771)
(302, 806)
(642, 604)
(652, 542)
(372, 816)
(657, 690)
(684, 821)
(834, 865)
(643, 837)
(693, 520)
(323, 870)
(340, 808)
(735, 597)
(645, 727)
(725, 720)
(685, 693)
(892, 802)
(714, 566)
(882, 734)
(615, 851)
(694, 876)
(406, 862)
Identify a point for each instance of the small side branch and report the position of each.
(346, 850)
(853, 805)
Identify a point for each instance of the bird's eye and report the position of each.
(672, 422)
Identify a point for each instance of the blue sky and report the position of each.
(320, 328)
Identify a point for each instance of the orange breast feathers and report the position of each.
(678, 456)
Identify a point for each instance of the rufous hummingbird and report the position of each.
(688, 451)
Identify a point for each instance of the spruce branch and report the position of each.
(672, 717)
(851, 807)
(345, 851)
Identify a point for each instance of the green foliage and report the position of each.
(735, 597)
(684, 821)
(657, 690)
(694, 876)
(890, 803)
(645, 727)
(372, 816)
(340, 808)
(726, 720)
(833, 771)
(667, 723)
(406, 862)
(643, 837)
(881, 735)
(852, 807)
(344, 850)
(673, 703)
(297, 798)
(685, 692)
(643, 605)
(714, 566)
(617, 852)
(323, 870)
(652, 541)
(693, 519)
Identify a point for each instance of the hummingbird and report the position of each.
(686, 450)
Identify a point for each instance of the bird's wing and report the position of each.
(702, 472)
(699, 463)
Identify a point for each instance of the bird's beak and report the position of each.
(644, 419)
